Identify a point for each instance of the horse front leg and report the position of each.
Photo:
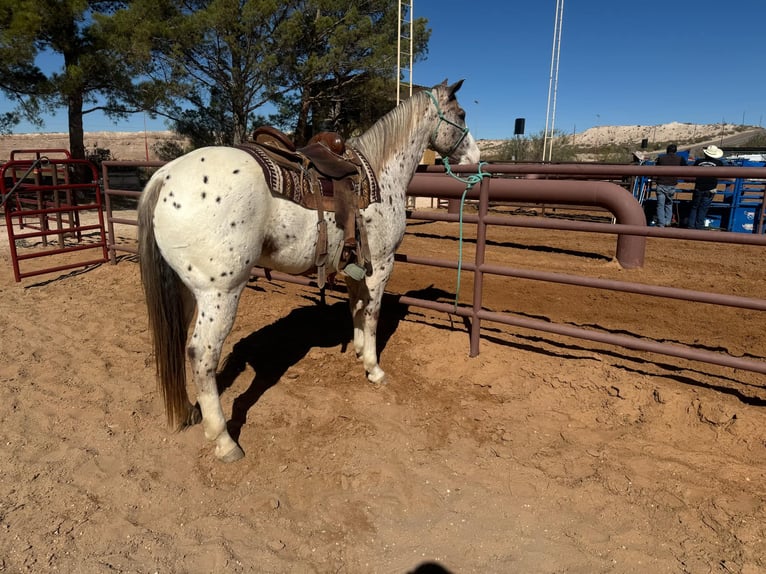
(215, 317)
(365, 300)
(357, 299)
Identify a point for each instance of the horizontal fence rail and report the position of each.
(477, 313)
(113, 193)
(433, 183)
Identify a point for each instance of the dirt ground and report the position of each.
(544, 454)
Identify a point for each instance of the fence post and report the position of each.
(478, 275)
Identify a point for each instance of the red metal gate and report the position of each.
(53, 208)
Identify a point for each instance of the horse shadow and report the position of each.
(273, 349)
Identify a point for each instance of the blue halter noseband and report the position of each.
(443, 118)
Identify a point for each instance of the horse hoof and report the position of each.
(377, 376)
(233, 455)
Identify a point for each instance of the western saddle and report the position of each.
(324, 175)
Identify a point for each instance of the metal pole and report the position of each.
(553, 80)
(408, 8)
(412, 31)
(550, 86)
(399, 54)
(556, 78)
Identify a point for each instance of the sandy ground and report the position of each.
(541, 455)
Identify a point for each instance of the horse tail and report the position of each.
(168, 318)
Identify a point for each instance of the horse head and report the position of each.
(451, 137)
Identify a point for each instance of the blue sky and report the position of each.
(621, 63)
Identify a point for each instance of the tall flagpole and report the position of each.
(553, 82)
(406, 32)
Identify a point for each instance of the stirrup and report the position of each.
(348, 253)
(354, 271)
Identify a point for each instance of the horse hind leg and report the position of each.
(216, 312)
(194, 415)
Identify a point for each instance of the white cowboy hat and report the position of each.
(713, 151)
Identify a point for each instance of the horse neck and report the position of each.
(395, 144)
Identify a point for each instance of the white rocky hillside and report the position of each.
(672, 132)
(684, 134)
(131, 146)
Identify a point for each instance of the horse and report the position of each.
(208, 217)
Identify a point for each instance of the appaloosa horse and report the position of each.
(206, 218)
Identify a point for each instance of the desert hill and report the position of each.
(672, 132)
(124, 146)
(133, 146)
(686, 136)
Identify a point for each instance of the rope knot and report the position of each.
(472, 179)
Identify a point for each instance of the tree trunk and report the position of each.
(76, 131)
(81, 173)
(240, 130)
(302, 135)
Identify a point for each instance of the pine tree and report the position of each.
(83, 76)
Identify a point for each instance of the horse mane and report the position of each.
(391, 131)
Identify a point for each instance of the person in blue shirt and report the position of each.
(704, 188)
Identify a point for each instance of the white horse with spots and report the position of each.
(205, 219)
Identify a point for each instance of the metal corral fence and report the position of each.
(47, 196)
(113, 194)
(524, 183)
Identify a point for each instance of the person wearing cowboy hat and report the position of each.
(704, 188)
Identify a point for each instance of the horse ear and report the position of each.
(455, 87)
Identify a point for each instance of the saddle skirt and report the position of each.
(304, 179)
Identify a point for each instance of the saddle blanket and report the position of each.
(304, 186)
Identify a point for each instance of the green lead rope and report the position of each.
(469, 182)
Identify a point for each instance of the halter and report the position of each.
(443, 118)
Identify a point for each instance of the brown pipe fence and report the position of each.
(112, 193)
(631, 231)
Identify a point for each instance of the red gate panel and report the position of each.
(53, 210)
